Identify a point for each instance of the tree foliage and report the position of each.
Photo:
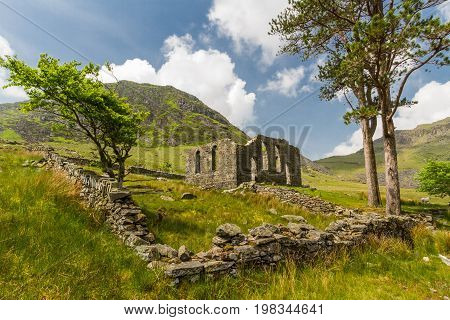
(368, 44)
(372, 47)
(81, 102)
(434, 178)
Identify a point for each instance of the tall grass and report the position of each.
(52, 248)
(175, 222)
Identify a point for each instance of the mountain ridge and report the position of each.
(414, 147)
(175, 118)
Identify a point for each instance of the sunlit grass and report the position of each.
(51, 247)
(174, 222)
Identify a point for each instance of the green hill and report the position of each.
(175, 118)
(415, 147)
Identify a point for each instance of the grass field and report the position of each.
(51, 247)
(181, 219)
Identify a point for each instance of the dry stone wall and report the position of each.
(310, 203)
(268, 244)
(122, 214)
(231, 249)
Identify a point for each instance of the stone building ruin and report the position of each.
(226, 164)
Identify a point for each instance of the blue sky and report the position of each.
(218, 50)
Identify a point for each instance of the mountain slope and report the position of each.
(175, 118)
(415, 147)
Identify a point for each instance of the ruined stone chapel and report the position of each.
(226, 164)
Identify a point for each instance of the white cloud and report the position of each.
(12, 93)
(246, 22)
(286, 82)
(136, 70)
(433, 104)
(207, 74)
(5, 48)
(444, 10)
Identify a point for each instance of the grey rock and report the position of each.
(263, 241)
(264, 231)
(299, 228)
(292, 218)
(150, 237)
(188, 196)
(134, 241)
(220, 242)
(116, 195)
(218, 266)
(185, 269)
(247, 252)
(273, 211)
(165, 250)
(148, 253)
(184, 254)
(228, 230)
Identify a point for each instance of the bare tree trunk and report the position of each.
(106, 163)
(393, 205)
(121, 173)
(373, 190)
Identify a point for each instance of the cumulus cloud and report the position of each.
(433, 104)
(207, 74)
(136, 70)
(247, 24)
(286, 82)
(12, 93)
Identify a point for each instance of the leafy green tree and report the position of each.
(376, 43)
(316, 28)
(434, 178)
(79, 100)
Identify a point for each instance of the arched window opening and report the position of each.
(197, 162)
(213, 158)
(277, 159)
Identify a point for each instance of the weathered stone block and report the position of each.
(184, 254)
(185, 269)
(228, 230)
(116, 195)
(134, 241)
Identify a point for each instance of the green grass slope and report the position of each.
(52, 247)
(415, 147)
(175, 118)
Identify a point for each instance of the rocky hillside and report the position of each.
(415, 147)
(175, 118)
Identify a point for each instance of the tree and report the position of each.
(76, 97)
(313, 28)
(434, 178)
(400, 38)
(387, 40)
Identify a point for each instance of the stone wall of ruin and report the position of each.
(262, 159)
(226, 169)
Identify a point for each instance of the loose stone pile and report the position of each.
(310, 203)
(231, 248)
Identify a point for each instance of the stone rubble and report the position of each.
(310, 203)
